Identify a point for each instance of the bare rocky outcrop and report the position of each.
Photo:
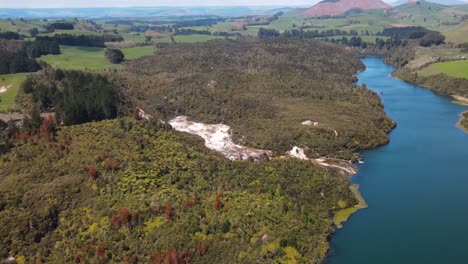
(218, 138)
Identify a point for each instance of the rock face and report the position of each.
(218, 138)
(339, 7)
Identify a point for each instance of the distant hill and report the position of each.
(457, 34)
(440, 2)
(339, 7)
(123, 12)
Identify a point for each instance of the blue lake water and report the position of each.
(416, 186)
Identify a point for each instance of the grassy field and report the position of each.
(133, 37)
(7, 98)
(79, 58)
(451, 68)
(458, 34)
(138, 52)
(21, 27)
(426, 55)
(195, 38)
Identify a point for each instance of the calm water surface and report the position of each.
(416, 186)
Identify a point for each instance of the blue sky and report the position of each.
(123, 3)
(120, 3)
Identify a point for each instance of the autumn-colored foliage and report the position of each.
(201, 248)
(101, 252)
(188, 202)
(171, 256)
(92, 172)
(136, 114)
(47, 128)
(130, 259)
(124, 218)
(217, 202)
(112, 165)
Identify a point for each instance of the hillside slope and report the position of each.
(264, 90)
(441, 2)
(339, 7)
(126, 191)
(457, 34)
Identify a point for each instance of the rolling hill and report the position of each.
(339, 7)
(457, 34)
(440, 2)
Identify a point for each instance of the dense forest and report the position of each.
(92, 185)
(426, 37)
(14, 58)
(440, 83)
(10, 35)
(126, 191)
(81, 40)
(76, 97)
(264, 90)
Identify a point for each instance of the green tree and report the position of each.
(115, 56)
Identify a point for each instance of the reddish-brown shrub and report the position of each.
(92, 172)
(217, 202)
(201, 248)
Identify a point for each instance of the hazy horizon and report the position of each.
(150, 3)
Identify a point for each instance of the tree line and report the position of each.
(82, 40)
(265, 33)
(82, 96)
(426, 37)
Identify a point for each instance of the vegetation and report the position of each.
(62, 25)
(342, 215)
(464, 121)
(77, 97)
(73, 194)
(12, 83)
(264, 90)
(457, 69)
(13, 58)
(440, 83)
(38, 48)
(138, 52)
(81, 40)
(79, 58)
(115, 56)
(10, 35)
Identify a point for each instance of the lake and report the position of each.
(416, 186)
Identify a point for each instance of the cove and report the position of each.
(416, 186)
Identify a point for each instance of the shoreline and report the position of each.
(459, 125)
(341, 216)
(460, 100)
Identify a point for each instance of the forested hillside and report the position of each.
(131, 190)
(264, 90)
(126, 191)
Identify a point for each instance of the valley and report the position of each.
(233, 134)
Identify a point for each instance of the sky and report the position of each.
(126, 3)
